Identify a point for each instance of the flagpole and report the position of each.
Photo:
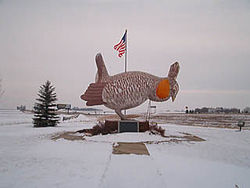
(126, 50)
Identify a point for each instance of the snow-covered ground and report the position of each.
(29, 158)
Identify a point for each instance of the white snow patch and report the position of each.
(126, 137)
(115, 144)
(29, 158)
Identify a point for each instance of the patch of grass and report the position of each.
(100, 128)
(111, 127)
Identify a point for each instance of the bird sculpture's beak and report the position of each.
(173, 98)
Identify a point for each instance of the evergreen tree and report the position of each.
(45, 107)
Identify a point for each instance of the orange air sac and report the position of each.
(163, 89)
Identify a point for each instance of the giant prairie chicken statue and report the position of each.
(129, 89)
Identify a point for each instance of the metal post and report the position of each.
(125, 112)
(126, 52)
(148, 111)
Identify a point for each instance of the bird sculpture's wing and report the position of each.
(93, 95)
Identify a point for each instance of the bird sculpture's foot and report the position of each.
(119, 113)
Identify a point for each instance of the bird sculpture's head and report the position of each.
(168, 87)
(174, 89)
(172, 75)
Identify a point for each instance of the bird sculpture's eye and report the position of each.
(176, 88)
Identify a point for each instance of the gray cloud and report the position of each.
(57, 41)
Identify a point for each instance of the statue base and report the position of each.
(128, 125)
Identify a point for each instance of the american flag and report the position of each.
(121, 46)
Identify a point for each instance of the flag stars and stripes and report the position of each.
(121, 46)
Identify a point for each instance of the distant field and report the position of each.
(203, 120)
(8, 117)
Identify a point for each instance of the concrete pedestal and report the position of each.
(128, 125)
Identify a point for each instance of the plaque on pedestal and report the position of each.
(128, 126)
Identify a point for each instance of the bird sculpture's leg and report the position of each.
(120, 114)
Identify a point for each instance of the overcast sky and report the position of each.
(57, 40)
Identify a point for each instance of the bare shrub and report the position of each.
(111, 127)
(100, 128)
(155, 129)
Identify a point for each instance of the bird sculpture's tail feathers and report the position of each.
(173, 71)
(93, 95)
(102, 73)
